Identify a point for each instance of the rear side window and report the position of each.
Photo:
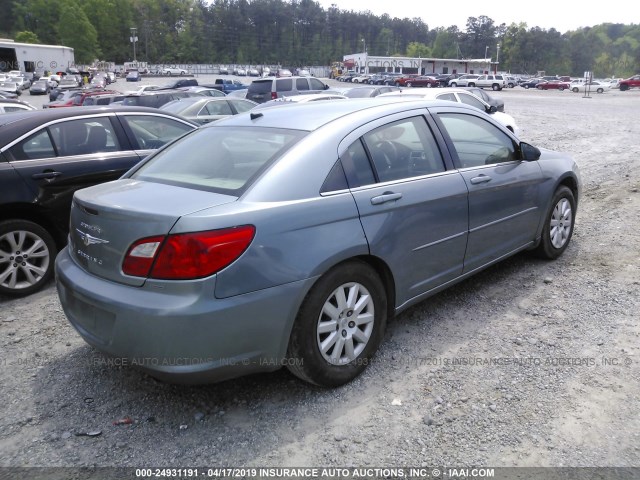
(150, 132)
(85, 136)
(224, 160)
(284, 85)
(302, 84)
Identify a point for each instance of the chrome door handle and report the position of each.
(480, 179)
(49, 175)
(385, 197)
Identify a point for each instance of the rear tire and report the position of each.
(27, 254)
(339, 326)
(558, 227)
(453, 84)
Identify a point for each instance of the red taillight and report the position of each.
(186, 256)
(140, 256)
(274, 95)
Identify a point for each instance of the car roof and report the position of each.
(15, 124)
(313, 115)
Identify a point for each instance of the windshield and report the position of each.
(222, 159)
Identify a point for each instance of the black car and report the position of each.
(179, 83)
(45, 156)
(39, 87)
(493, 101)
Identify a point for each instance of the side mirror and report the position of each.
(492, 109)
(326, 87)
(529, 152)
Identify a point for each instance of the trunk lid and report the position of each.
(106, 219)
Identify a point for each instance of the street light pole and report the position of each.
(133, 39)
(486, 49)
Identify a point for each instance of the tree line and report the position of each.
(301, 32)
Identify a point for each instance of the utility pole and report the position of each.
(133, 39)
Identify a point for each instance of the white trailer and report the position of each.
(30, 58)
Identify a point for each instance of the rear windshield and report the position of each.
(260, 87)
(221, 159)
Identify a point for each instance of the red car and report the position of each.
(417, 81)
(633, 82)
(78, 98)
(553, 85)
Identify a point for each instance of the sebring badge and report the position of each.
(89, 239)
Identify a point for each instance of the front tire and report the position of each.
(558, 227)
(453, 84)
(339, 326)
(27, 253)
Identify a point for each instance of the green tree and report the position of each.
(79, 34)
(26, 37)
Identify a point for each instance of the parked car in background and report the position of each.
(253, 72)
(462, 81)
(419, 81)
(50, 155)
(593, 86)
(179, 83)
(284, 72)
(144, 88)
(203, 110)
(10, 95)
(631, 82)
(552, 85)
(102, 99)
(511, 81)
(68, 82)
(531, 83)
(204, 90)
(364, 91)
(444, 78)
(40, 87)
(490, 99)
(264, 89)
(494, 82)
(173, 71)
(11, 87)
(10, 106)
(241, 93)
(96, 82)
(459, 95)
(156, 98)
(362, 78)
(240, 72)
(133, 76)
(61, 96)
(390, 184)
(78, 98)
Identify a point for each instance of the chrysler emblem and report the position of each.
(90, 239)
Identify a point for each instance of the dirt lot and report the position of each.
(530, 363)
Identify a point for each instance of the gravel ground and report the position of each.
(530, 363)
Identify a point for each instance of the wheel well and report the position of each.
(28, 212)
(571, 183)
(386, 276)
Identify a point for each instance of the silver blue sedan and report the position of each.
(290, 236)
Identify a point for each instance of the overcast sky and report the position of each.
(562, 15)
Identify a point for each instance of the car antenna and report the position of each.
(255, 115)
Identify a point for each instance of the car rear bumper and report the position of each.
(178, 331)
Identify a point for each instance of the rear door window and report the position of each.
(151, 132)
(284, 85)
